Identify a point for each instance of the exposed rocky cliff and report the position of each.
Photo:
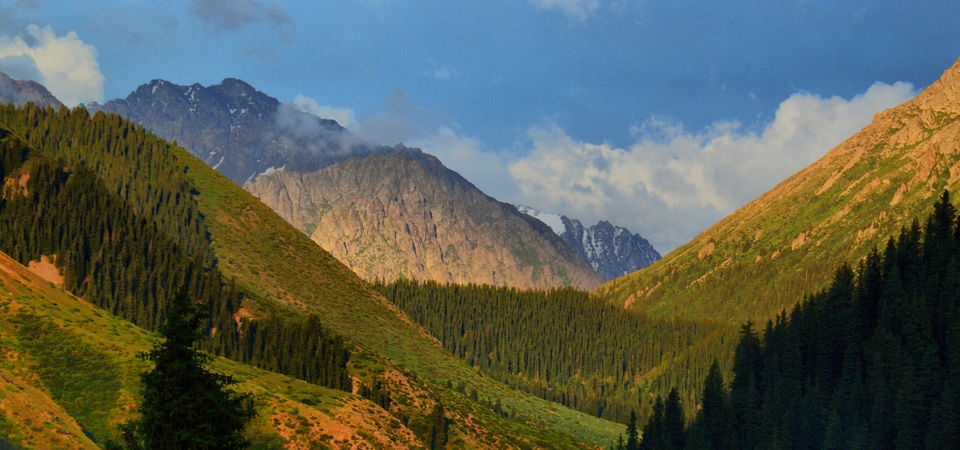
(403, 214)
(612, 251)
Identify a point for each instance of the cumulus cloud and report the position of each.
(672, 183)
(668, 185)
(344, 116)
(575, 10)
(232, 15)
(65, 65)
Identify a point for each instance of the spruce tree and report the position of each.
(633, 440)
(673, 423)
(712, 416)
(185, 405)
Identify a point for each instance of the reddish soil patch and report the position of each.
(46, 270)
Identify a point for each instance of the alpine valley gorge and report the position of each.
(368, 297)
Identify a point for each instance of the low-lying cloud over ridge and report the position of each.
(672, 183)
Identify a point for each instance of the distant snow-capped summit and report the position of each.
(612, 251)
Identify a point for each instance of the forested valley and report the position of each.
(562, 345)
(873, 361)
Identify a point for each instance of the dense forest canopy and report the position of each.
(561, 345)
(872, 362)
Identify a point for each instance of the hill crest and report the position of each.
(836, 210)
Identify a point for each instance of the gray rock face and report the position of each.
(611, 250)
(20, 92)
(235, 128)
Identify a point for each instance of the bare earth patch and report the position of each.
(46, 270)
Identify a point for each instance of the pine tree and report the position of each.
(186, 406)
(673, 422)
(633, 440)
(713, 412)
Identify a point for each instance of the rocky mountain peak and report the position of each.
(235, 128)
(20, 92)
(402, 214)
(944, 94)
(612, 251)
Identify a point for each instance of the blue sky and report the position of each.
(662, 116)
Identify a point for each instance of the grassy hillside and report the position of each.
(765, 256)
(45, 330)
(279, 271)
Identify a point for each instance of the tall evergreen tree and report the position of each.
(713, 411)
(633, 438)
(654, 436)
(673, 431)
(438, 427)
(185, 405)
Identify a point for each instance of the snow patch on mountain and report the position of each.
(554, 221)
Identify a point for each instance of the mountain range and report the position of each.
(163, 205)
(359, 204)
(404, 215)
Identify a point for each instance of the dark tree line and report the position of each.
(130, 247)
(872, 362)
(561, 345)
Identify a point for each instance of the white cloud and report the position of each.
(670, 184)
(344, 116)
(575, 10)
(67, 66)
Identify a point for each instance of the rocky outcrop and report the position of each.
(611, 250)
(403, 214)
